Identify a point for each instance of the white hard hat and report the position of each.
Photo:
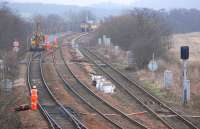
(34, 87)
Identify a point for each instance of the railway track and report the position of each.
(56, 114)
(134, 89)
(102, 107)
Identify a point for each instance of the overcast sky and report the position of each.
(156, 4)
(77, 2)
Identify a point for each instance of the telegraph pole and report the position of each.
(2, 69)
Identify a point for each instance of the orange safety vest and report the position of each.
(46, 37)
(47, 46)
(34, 99)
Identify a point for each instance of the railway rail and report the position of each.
(134, 89)
(56, 114)
(99, 105)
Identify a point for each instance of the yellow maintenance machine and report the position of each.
(88, 26)
(37, 40)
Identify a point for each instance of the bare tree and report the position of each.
(143, 31)
(74, 19)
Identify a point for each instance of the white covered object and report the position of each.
(108, 89)
(95, 77)
(102, 84)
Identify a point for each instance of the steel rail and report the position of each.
(77, 124)
(139, 86)
(51, 122)
(91, 92)
(81, 98)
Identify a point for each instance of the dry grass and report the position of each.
(172, 62)
(190, 39)
(8, 118)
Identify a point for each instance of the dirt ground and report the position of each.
(68, 100)
(155, 84)
(174, 64)
(116, 99)
(90, 119)
(29, 119)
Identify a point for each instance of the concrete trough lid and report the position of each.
(95, 77)
(102, 84)
(105, 86)
(108, 89)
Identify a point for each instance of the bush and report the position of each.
(143, 31)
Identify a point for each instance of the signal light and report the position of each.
(185, 52)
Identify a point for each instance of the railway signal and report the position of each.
(185, 82)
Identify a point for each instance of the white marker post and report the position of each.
(99, 41)
(168, 79)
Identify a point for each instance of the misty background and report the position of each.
(140, 26)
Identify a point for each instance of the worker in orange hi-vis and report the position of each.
(55, 42)
(46, 38)
(34, 98)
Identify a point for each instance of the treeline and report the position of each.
(69, 21)
(183, 20)
(142, 31)
(12, 27)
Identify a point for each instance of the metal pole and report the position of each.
(27, 47)
(152, 68)
(3, 74)
(182, 80)
(184, 70)
(27, 42)
(1, 68)
(185, 83)
(153, 57)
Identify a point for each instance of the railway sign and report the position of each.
(15, 43)
(168, 79)
(15, 46)
(1, 64)
(153, 66)
(99, 41)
